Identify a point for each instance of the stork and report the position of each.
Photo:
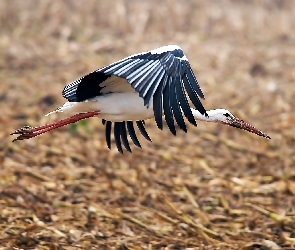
(139, 87)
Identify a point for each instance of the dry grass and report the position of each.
(213, 188)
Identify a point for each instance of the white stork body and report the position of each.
(146, 85)
(115, 107)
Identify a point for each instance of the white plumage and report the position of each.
(115, 107)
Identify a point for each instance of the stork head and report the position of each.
(223, 116)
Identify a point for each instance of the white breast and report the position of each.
(122, 107)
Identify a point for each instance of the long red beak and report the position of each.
(237, 123)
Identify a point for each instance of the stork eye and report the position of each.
(226, 115)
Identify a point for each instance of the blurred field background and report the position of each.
(214, 188)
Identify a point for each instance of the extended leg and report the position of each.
(28, 132)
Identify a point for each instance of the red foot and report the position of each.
(26, 132)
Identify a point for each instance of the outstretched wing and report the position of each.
(120, 134)
(162, 76)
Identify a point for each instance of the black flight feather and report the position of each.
(142, 130)
(117, 137)
(168, 108)
(124, 136)
(132, 134)
(108, 133)
(175, 105)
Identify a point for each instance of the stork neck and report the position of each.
(202, 117)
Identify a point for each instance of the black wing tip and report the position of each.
(149, 139)
(132, 134)
(173, 132)
(200, 92)
(124, 138)
(140, 125)
(120, 135)
(117, 137)
(160, 126)
(108, 130)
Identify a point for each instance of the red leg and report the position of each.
(30, 132)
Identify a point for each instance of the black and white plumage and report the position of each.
(136, 88)
(160, 76)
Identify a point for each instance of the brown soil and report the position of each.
(215, 187)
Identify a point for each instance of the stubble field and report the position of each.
(215, 187)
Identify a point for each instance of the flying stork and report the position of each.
(139, 87)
